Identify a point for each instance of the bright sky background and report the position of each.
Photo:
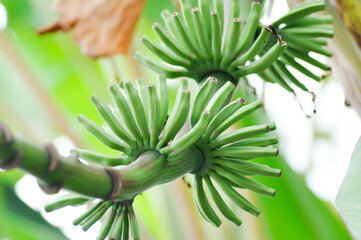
(3, 17)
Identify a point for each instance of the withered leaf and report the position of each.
(101, 27)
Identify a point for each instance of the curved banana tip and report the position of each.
(155, 25)
(79, 117)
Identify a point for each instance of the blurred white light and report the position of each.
(279, 8)
(3, 17)
(28, 191)
(323, 161)
(63, 144)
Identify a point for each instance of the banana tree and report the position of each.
(158, 142)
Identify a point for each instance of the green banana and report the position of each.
(70, 199)
(102, 136)
(242, 133)
(226, 211)
(202, 203)
(202, 98)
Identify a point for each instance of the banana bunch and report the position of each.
(193, 46)
(158, 144)
(304, 34)
(137, 122)
(120, 216)
(226, 155)
(196, 43)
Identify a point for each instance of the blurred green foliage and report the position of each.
(18, 221)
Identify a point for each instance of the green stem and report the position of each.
(119, 183)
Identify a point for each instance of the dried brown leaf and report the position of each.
(101, 27)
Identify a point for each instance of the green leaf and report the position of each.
(18, 221)
(295, 212)
(349, 194)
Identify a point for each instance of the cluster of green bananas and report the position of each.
(226, 155)
(195, 45)
(116, 225)
(304, 34)
(191, 137)
(138, 122)
(192, 43)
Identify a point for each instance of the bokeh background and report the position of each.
(45, 82)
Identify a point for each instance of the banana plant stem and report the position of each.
(118, 183)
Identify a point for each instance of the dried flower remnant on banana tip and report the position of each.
(101, 28)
